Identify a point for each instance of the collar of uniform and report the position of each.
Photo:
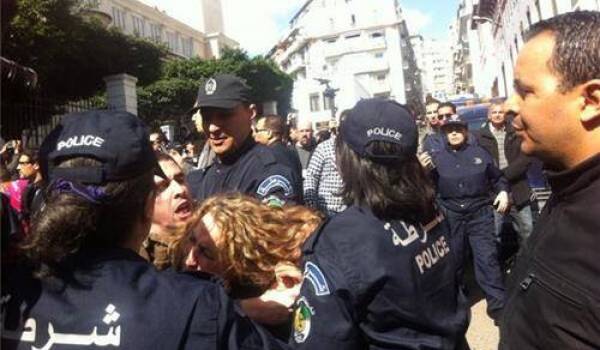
(573, 180)
(234, 156)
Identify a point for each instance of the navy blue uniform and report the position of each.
(253, 170)
(465, 180)
(379, 285)
(121, 301)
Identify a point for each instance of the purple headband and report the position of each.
(91, 193)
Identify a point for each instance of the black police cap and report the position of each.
(222, 91)
(378, 119)
(117, 139)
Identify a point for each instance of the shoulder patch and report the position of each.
(315, 276)
(274, 182)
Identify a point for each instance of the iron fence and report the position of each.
(32, 119)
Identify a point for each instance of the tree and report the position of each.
(170, 97)
(71, 54)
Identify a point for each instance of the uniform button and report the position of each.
(460, 185)
(458, 165)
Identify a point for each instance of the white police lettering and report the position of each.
(387, 132)
(435, 252)
(28, 331)
(82, 140)
(412, 234)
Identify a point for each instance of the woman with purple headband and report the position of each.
(80, 283)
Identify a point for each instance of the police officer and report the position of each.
(242, 165)
(81, 283)
(381, 274)
(465, 174)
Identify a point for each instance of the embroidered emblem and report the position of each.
(302, 320)
(210, 87)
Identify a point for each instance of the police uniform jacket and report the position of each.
(518, 163)
(253, 170)
(553, 299)
(379, 285)
(466, 177)
(119, 301)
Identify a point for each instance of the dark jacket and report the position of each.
(372, 284)
(554, 290)
(518, 163)
(119, 299)
(253, 170)
(467, 178)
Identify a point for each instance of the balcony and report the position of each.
(344, 46)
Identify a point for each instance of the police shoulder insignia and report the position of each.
(302, 320)
(275, 182)
(315, 276)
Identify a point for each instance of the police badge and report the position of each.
(210, 87)
(302, 320)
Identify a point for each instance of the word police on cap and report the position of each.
(387, 132)
(82, 140)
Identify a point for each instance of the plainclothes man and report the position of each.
(554, 291)
(499, 139)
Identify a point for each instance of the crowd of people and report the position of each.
(263, 237)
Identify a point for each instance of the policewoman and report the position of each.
(80, 283)
(467, 181)
(241, 164)
(381, 274)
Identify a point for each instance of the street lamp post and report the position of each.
(329, 93)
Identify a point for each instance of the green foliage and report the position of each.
(71, 54)
(173, 95)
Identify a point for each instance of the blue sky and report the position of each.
(258, 24)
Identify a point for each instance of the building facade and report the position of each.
(133, 17)
(434, 58)
(499, 26)
(355, 48)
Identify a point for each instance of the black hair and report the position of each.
(576, 54)
(32, 154)
(394, 190)
(69, 224)
(447, 104)
(275, 124)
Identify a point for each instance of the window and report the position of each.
(156, 32)
(118, 17)
(378, 54)
(172, 41)
(380, 76)
(138, 25)
(538, 9)
(376, 35)
(331, 40)
(314, 102)
(352, 36)
(352, 19)
(528, 18)
(187, 47)
(554, 8)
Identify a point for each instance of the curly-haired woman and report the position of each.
(253, 247)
